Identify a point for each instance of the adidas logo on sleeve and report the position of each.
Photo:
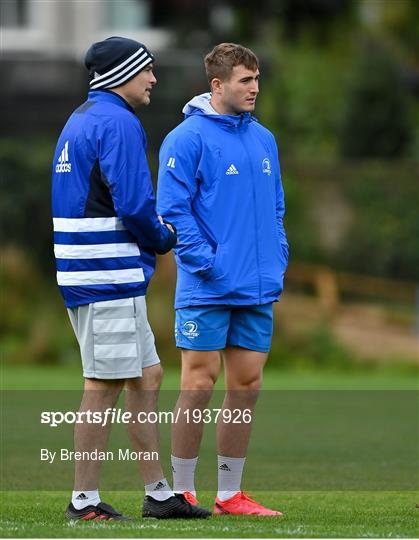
(63, 164)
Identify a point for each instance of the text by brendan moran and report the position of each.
(122, 454)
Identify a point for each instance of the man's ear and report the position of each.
(215, 86)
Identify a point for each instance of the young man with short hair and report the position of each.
(220, 185)
(106, 236)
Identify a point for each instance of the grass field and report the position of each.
(308, 513)
(69, 377)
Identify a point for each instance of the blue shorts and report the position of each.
(211, 328)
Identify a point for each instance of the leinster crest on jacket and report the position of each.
(266, 166)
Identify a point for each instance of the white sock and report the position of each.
(160, 490)
(81, 499)
(184, 474)
(230, 472)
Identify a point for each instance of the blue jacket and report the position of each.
(220, 185)
(106, 229)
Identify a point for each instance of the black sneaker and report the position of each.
(175, 507)
(101, 512)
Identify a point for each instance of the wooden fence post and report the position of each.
(327, 289)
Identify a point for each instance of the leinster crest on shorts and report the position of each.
(190, 329)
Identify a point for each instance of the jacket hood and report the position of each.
(198, 104)
(201, 106)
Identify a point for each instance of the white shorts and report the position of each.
(115, 338)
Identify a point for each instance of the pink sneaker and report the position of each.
(190, 497)
(242, 504)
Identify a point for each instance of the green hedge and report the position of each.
(355, 216)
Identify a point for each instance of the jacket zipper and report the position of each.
(256, 217)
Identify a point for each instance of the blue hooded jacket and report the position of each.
(220, 185)
(106, 228)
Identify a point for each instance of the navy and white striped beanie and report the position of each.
(115, 61)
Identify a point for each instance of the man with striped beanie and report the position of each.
(106, 236)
